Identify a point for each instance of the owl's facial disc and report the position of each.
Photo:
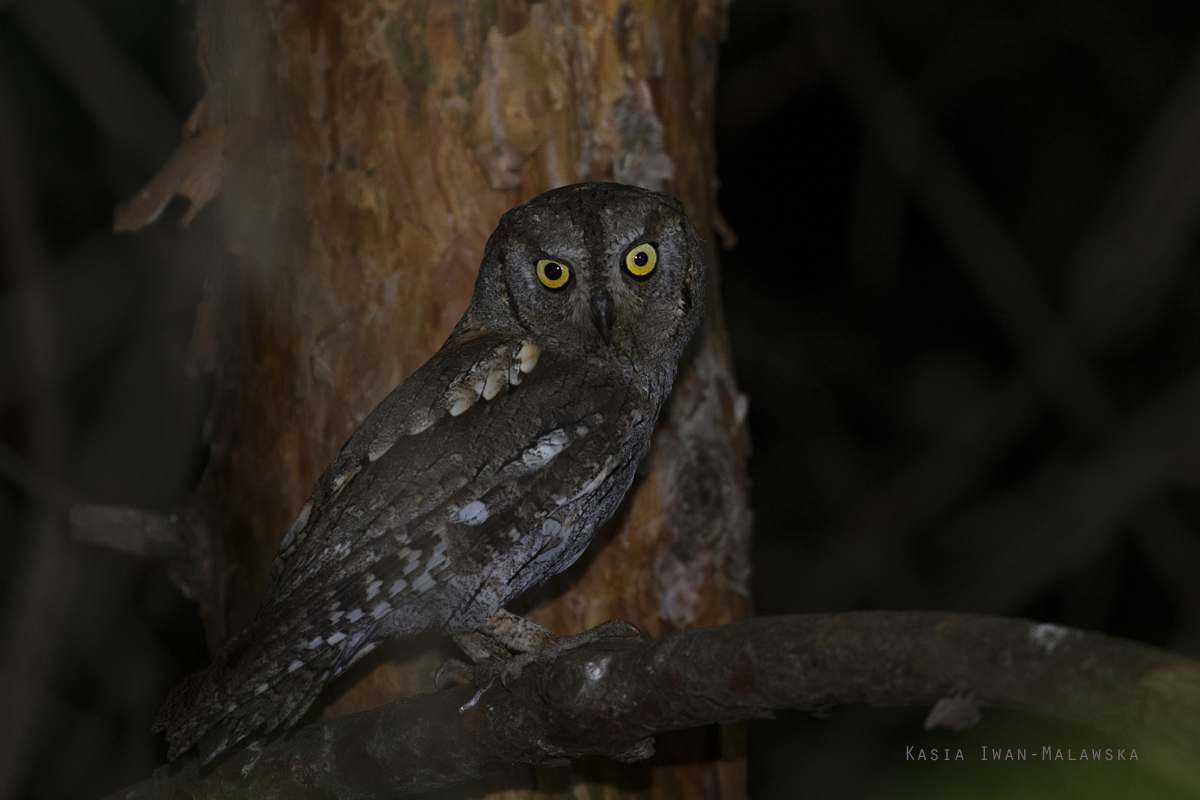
(594, 267)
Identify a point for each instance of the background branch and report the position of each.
(608, 697)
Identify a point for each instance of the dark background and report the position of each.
(965, 306)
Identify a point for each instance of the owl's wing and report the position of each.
(415, 533)
(469, 367)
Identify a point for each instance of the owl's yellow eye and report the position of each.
(641, 260)
(552, 274)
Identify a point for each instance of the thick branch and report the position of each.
(607, 697)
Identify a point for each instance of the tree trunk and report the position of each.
(367, 150)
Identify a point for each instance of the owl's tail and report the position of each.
(243, 690)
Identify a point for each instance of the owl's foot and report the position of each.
(488, 657)
(552, 649)
(507, 643)
(515, 633)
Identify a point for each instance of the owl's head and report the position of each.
(594, 267)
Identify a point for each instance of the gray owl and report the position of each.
(486, 472)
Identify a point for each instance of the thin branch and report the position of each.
(114, 91)
(1126, 266)
(1007, 281)
(30, 632)
(1017, 543)
(130, 530)
(939, 479)
(34, 481)
(608, 697)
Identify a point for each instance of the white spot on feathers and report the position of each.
(301, 521)
(418, 422)
(398, 587)
(337, 615)
(340, 481)
(381, 609)
(316, 642)
(545, 449)
(591, 485)
(373, 588)
(295, 665)
(524, 362)
(262, 687)
(426, 581)
(474, 513)
(463, 402)
(378, 448)
(336, 637)
(355, 615)
(528, 356)
(436, 559)
(495, 379)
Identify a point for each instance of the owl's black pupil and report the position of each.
(553, 271)
(640, 259)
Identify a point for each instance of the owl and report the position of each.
(486, 472)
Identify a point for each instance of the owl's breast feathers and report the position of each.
(484, 473)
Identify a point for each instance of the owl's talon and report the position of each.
(467, 706)
(514, 666)
(453, 669)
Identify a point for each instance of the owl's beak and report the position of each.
(603, 314)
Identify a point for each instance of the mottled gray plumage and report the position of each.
(486, 472)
